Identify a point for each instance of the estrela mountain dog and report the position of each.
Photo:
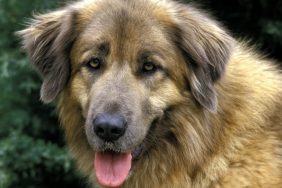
(156, 93)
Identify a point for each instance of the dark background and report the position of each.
(32, 148)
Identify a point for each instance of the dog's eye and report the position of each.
(149, 67)
(94, 63)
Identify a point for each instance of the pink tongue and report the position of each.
(112, 168)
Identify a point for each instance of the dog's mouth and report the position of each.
(112, 168)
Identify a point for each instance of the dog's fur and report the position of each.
(210, 116)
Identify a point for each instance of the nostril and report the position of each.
(100, 130)
(116, 131)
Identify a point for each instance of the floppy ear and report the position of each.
(48, 40)
(206, 48)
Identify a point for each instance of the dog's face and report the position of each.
(125, 63)
(123, 73)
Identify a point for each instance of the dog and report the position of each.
(156, 93)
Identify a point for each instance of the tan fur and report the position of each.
(222, 130)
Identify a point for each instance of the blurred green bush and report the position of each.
(32, 148)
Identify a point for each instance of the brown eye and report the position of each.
(94, 63)
(149, 67)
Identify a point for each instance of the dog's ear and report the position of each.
(48, 40)
(206, 48)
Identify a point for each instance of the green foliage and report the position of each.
(13, 14)
(32, 151)
(32, 163)
(32, 148)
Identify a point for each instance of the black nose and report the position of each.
(109, 127)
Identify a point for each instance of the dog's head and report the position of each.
(125, 63)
